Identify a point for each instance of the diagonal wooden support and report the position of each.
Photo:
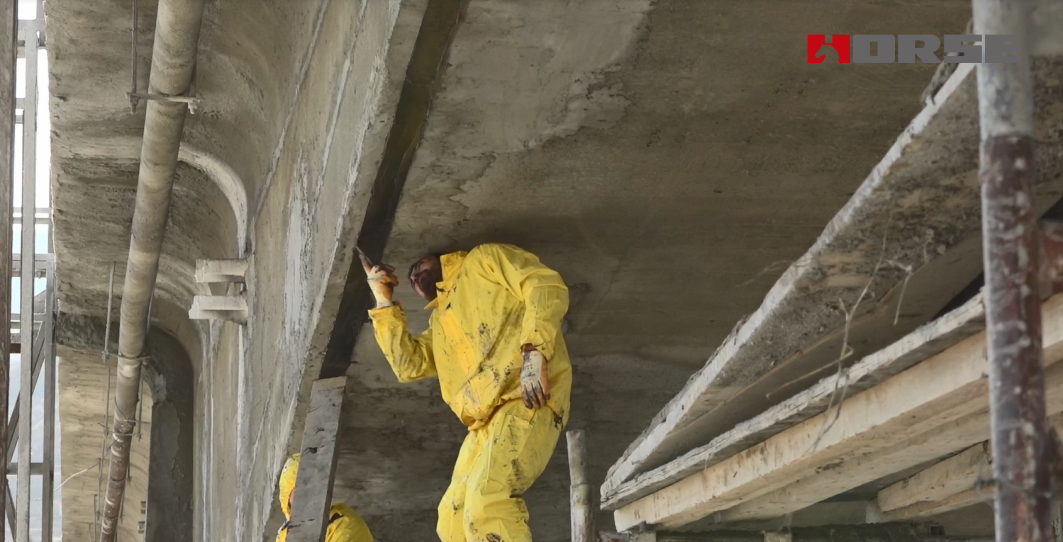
(317, 467)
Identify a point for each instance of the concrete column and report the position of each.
(171, 459)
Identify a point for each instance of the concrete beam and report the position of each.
(930, 410)
(317, 467)
(919, 345)
(427, 65)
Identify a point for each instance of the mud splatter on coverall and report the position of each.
(345, 525)
(492, 301)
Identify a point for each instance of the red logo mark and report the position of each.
(818, 42)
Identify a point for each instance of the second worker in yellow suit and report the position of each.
(494, 341)
(345, 525)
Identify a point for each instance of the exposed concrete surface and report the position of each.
(296, 100)
(82, 412)
(663, 156)
(171, 466)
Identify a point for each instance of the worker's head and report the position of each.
(287, 484)
(424, 274)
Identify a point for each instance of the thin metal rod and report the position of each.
(133, 99)
(1011, 241)
(580, 488)
(8, 54)
(107, 401)
(29, 193)
(48, 476)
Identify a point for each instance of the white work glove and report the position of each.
(381, 280)
(534, 379)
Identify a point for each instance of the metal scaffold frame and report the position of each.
(32, 328)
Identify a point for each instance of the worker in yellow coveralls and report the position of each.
(345, 525)
(494, 341)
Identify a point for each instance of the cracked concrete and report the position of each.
(664, 156)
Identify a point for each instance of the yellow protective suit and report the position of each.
(492, 301)
(345, 525)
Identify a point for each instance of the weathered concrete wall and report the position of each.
(296, 102)
(170, 467)
(82, 411)
(302, 229)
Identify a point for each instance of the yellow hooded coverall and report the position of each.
(345, 525)
(492, 301)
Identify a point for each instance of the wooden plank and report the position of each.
(317, 466)
(945, 486)
(919, 345)
(954, 475)
(904, 419)
(871, 466)
(798, 329)
(960, 500)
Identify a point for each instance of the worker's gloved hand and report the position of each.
(534, 379)
(382, 281)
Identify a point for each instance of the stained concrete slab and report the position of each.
(664, 156)
(670, 160)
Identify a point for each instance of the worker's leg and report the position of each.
(451, 524)
(518, 446)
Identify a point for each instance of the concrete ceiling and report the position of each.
(669, 158)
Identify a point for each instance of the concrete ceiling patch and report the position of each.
(217, 170)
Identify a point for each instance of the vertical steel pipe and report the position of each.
(1012, 268)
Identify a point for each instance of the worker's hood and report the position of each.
(287, 484)
(451, 264)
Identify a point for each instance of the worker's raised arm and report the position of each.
(543, 291)
(410, 357)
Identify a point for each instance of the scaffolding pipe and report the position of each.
(8, 53)
(1011, 242)
(172, 66)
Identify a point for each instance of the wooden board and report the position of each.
(954, 475)
(948, 485)
(923, 201)
(935, 407)
(317, 466)
(919, 345)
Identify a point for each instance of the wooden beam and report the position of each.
(909, 419)
(317, 466)
(871, 466)
(954, 475)
(794, 333)
(933, 508)
(874, 465)
(945, 486)
(917, 346)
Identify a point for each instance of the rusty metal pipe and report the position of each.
(1012, 254)
(172, 66)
